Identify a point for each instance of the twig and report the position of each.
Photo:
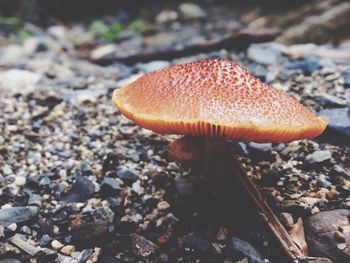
(266, 212)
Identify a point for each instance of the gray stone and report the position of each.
(330, 101)
(17, 214)
(307, 64)
(25, 230)
(183, 186)
(45, 240)
(197, 243)
(260, 151)
(45, 181)
(82, 190)
(323, 231)
(323, 182)
(10, 260)
(104, 213)
(264, 147)
(237, 249)
(346, 77)
(327, 63)
(35, 199)
(339, 120)
(264, 54)
(126, 174)
(318, 157)
(109, 185)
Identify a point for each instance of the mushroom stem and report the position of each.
(211, 153)
(188, 151)
(215, 160)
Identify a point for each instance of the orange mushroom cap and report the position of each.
(215, 97)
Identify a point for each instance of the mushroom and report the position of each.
(218, 100)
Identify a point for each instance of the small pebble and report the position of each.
(56, 245)
(163, 205)
(339, 236)
(68, 250)
(12, 227)
(25, 230)
(341, 246)
(45, 240)
(2, 229)
(20, 180)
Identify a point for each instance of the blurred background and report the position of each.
(166, 25)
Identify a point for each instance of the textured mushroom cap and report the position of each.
(215, 98)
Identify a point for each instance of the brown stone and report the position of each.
(323, 238)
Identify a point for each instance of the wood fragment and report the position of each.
(35, 251)
(239, 40)
(302, 50)
(84, 228)
(318, 29)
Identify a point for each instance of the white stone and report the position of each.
(103, 51)
(18, 81)
(166, 16)
(68, 250)
(191, 11)
(12, 227)
(163, 205)
(11, 54)
(56, 245)
(20, 180)
(6, 169)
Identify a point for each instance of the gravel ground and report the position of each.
(307, 176)
(78, 178)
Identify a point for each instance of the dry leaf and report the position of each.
(298, 236)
